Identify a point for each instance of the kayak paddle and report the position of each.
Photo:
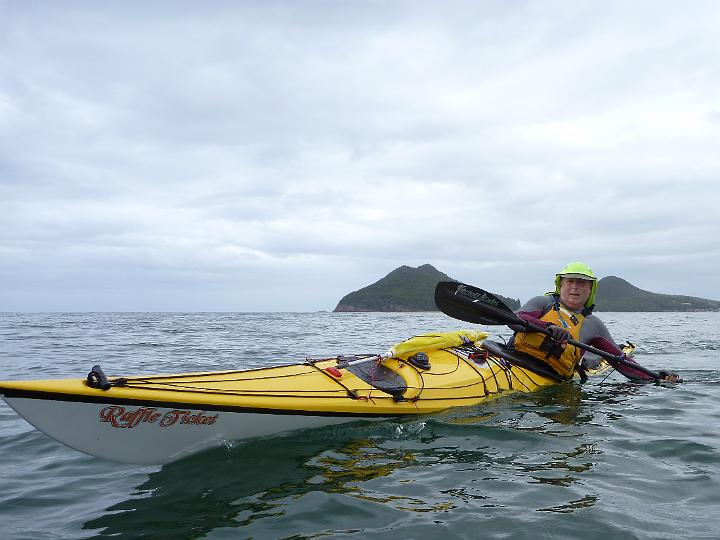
(474, 305)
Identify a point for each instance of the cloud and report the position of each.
(276, 155)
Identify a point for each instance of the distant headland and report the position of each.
(412, 289)
(616, 294)
(404, 289)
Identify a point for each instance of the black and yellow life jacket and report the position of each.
(564, 360)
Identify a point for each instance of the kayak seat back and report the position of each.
(522, 360)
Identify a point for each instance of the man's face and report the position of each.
(574, 292)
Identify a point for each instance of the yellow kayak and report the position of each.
(157, 419)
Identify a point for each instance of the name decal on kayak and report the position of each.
(481, 296)
(120, 417)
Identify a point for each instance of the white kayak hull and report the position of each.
(149, 434)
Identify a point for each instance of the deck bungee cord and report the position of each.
(463, 354)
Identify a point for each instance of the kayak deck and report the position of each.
(457, 377)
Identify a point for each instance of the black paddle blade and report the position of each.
(471, 304)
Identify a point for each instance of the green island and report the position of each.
(616, 294)
(404, 289)
(408, 289)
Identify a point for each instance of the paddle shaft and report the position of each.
(594, 350)
(347, 363)
(501, 314)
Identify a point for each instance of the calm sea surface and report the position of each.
(609, 459)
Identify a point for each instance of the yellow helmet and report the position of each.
(578, 270)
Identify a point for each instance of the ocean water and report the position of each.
(608, 459)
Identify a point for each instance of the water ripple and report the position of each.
(609, 459)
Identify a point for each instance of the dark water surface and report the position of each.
(609, 459)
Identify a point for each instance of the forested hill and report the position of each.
(412, 289)
(616, 294)
(404, 289)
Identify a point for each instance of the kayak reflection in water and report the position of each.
(567, 313)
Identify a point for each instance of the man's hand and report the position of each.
(558, 333)
(669, 377)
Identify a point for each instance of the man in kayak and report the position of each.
(567, 313)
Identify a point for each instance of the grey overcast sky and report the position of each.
(273, 156)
